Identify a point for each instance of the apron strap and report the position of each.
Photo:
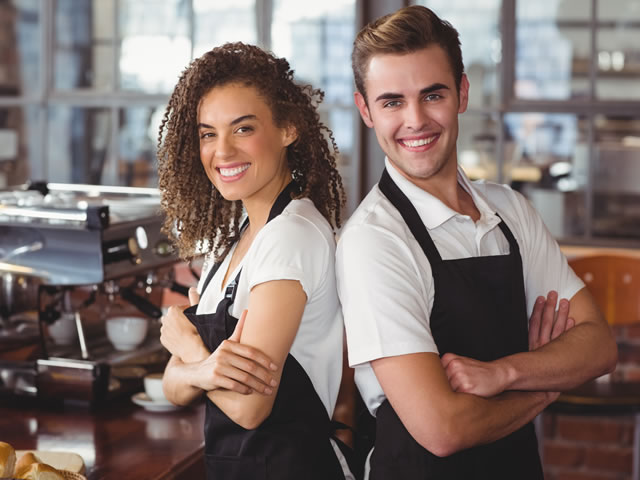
(279, 205)
(410, 216)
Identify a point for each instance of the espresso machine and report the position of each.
(72, 256)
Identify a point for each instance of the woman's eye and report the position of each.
(207, 135)
(244, 129)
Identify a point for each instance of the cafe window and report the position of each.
(553, 108)
(84, 83)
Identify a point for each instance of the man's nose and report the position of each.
(416, 117)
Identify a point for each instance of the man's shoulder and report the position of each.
(501, 197)
(375, 212)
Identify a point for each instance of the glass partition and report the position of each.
(223, 21)
(553, 52)
(618, 45)
(78, 144)
(477, 23)
(155, 44)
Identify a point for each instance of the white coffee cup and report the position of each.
(153, 387)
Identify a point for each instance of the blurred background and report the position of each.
(554, 104)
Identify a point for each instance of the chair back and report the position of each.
(614, 282)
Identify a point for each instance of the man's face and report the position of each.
(413, 105)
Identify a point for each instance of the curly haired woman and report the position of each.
(247, 175)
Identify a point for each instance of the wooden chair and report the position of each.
(614, 282)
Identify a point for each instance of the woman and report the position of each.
(247, 175)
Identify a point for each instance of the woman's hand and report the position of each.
(237, 367)
(180, 337)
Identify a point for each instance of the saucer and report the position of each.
(144, 400)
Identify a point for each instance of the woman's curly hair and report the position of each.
(198, 219)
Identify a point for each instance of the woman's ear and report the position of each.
(290, 135)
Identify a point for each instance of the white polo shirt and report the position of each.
(384, 278)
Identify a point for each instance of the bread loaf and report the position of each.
(7, 460)
(39, 471)
(25, 462)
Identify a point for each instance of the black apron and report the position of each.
(479, 311)
(293, 442)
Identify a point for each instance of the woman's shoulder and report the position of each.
(301, 217)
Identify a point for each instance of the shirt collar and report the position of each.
(431, 210)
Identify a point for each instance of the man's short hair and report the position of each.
(405, 31)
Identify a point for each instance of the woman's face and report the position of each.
(241, 149)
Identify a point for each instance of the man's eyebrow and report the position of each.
(433, 88)
(233, 122)
(393, 96)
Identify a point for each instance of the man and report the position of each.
(437, 276)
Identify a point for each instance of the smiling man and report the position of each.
(438, 275)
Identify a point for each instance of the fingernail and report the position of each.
(273, 366)
(540, 300)
(268, 391)
(273, 383)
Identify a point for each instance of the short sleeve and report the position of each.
(545, 266)
(384, 298)
(289, 247)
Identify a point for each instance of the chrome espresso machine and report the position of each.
(72, 256)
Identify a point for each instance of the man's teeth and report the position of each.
(231, 172)
(419, 143)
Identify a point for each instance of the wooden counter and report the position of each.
(118, 442)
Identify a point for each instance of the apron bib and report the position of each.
(293, 442)
(479, 311)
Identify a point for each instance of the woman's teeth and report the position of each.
(232, 172)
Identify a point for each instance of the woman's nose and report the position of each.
(224, 146)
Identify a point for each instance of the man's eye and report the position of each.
(432, 97)
(391, 104)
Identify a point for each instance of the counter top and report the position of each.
(118, 442)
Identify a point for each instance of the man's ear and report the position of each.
(463, 98)
(363, 109)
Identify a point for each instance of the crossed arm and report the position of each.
(464, 402)
(241, 376)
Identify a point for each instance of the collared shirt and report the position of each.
(385, 282)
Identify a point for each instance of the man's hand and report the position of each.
(487, 379)
(545, 324)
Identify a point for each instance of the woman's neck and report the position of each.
(259, 206)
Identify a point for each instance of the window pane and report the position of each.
(137, 146)
(548, 155)
(223, 21)
(155, 45)
(316, 39)
(83, 47)
(477, 146)
(615, 181)
(19, 157)
(78, 141)
(477, 23)
(552, 49)
(618, 44)
(19, 47)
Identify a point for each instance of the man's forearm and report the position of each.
(471, 420)
(580, 354)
